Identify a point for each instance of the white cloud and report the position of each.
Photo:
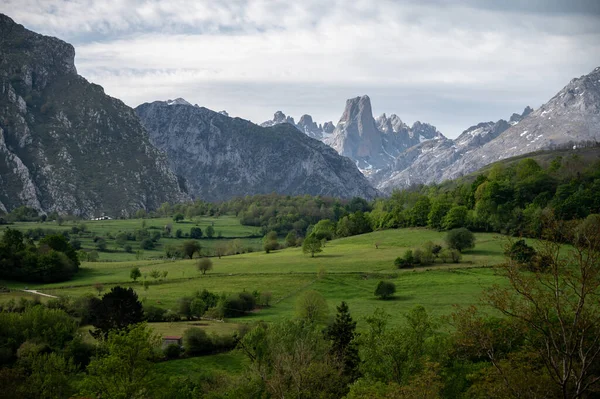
(253, 57)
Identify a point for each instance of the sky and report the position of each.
(449, 63)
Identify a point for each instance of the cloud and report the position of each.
(438, 61)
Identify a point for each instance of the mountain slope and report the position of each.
(222, 157)
(427, 162)
(571, 116)
(65, 146)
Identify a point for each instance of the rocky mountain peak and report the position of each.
(178, 101)
(40, 58)
(356, 134)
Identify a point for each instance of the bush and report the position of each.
(385, 289)
(197, 342)
(405, 262)
(450, 255)
(172, 351)
(460, 239)
(521, 253)
(128, 248)
(154, 313)
(147, 244)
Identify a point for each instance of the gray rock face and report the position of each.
(306, 125)
(65, 146)
(570, 117)
(374, 144)
(222, 157)
(427, 162)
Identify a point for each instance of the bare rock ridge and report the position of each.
(65, 146)
(305, 124)
(374, 144)
(571, 117)
(222, 157)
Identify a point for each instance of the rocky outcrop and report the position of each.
(65, 146)
(374, 144)
(222, 157)
(306, 125)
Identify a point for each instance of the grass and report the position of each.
(228, 227)
(351, 266)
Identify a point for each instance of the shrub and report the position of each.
(406, 261)
(154, 313)
(385, 289)
(521, 253)
(450, 255)
(147, 244)
(460, 239)
(204, 265)
(172, 351)
(197, 342)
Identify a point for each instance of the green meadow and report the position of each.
(348, 270)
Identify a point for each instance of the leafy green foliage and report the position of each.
(312, 307)
(125, 366)
(460, 239)
(117, 310)
(385, 289)
(54, 259)
(311, 245)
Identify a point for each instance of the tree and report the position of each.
(196, 233)
(385, 289)
(460, 239)
(555, 313)
(101, 244)
(210, 231)
(456, 217)
(51, 377)
(312, 307)
(291, 239)
(311, 245)
(220, 249)
(135, 273)
(344, 347)
(292, 359)
(117, 310)
(522, 253)
(197, 342)
(270, 242)
(190, 247)
(204, 265)
(126, 370)
(178, 217)
(178, 233)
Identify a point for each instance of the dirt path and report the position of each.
(40, 293)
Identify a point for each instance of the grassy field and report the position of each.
(348, 270)
(226, 228)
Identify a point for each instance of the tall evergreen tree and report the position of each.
(118, 309)
(342, 334)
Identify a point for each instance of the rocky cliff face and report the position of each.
(222, 157)
(571, 117)
(428, 161)
(65, 146)
(374, 144)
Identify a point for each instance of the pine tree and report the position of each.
(342, 334)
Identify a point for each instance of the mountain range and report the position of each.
(222, 157)
(66, 146)
(394, 155)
